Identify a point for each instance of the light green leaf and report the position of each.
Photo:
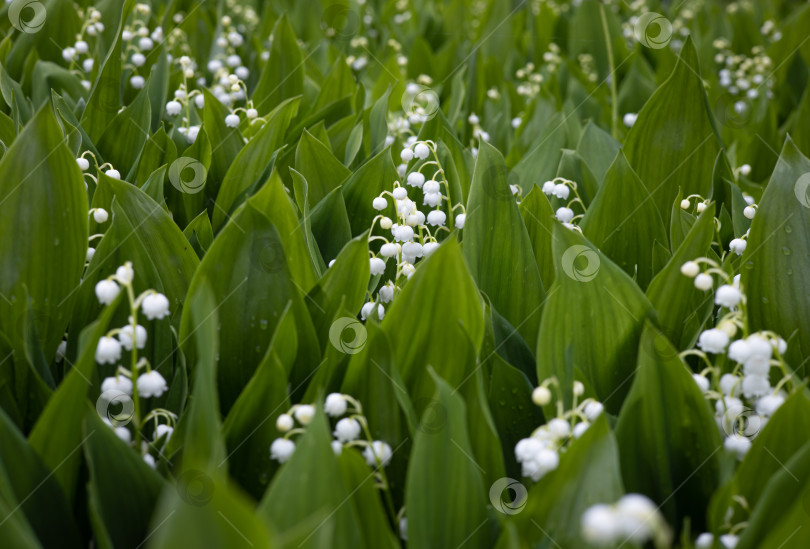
(673, 144)
(283, 74)
(623, 222)
(678, 464)
(502, 261)
(777, 257)
(591, 323)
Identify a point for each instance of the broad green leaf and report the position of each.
(673, 144)
(330, 224)
(105, 97)
(319, 166)
(674, 295)
(343, 286)
(677, 465)
(592, 321)
(250, 427)
(206, 511)
(439, 299)
(57, 436)
(226, 143)
(200, 234)
(204, 448)
(141, 232)
(41, 500)
(776, 443)
(273, 201)
(283, 74)
(778, 256)
(158, 150)
(309, 488)
(43, 222)
(623, 222)
(538, 216)
(122, 141)
(371, 179)
(250, 166)
(116, 469)
(780, 517)
(301, 189)
(502, 261)
(598, 149)
(15, 529)
(247, 270)
(442, 475)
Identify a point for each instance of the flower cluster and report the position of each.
(634, 518)
(127, 382)
(411, 236)
(560, 188)
(743, 397)
(349, 429)
(743, 77)
(79, 53)
(539, 454)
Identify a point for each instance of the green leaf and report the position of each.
(777, 442)
(105, 97)
(591, 323)
(117, 469)
(42, 501)
(682, 308)
(330, 224)
(309, 488)
(250, 166)
(273, 201)
(777, 255)
(283, 74)
(780, 517)
(673, 144)
(225, 142)
(343, 286)
(678, 465)
(371, 179)
(200, 234)
(203, 448)
(440, 298)
(538, 216)
(43, 222)
(205, 511)
(598, 149)
(502, 261)
(623, 222)
(443, 476)
(319, 166)
(57, 435)
(250, 427)
(122, 141)
(247, 270)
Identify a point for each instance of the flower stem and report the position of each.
(614, 105)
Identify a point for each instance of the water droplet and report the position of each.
(749, 265)
(263, 324)
(502, 403)
(55, 241)
(789, 272)
(764, 299)
(788, 229)
(786, 250)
